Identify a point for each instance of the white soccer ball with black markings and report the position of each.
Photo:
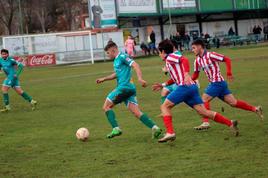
(82, 134)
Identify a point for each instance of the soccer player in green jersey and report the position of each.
(8, 65)
(125, 90)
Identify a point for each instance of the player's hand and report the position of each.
(230, 77)
(188, 79)
(143, 82)
(14, 76)
(157, 87)
(164, 69)
(197, 83)
(100, 80)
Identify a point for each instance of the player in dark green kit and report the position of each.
(12, 70)
(125, 90)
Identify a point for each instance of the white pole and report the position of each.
(170, 19)
(4, 42)
(91, 47)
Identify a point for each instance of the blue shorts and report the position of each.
(12, 83)
(125, 95)
(218, 89)
(187, 94)
(152, 46)
(171, 88)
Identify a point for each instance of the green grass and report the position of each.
(43, 144)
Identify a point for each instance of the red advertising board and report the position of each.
(37, 60)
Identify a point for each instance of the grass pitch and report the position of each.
(43, 144)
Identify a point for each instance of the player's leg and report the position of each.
(174, 98)
(232, 101)
(107, 108)
(194, 100)
(164, 93)
(166, 108)
(115, 97)
(205, 121)
(5, 89)
(26, 96)
(148, 122)
(217, 118)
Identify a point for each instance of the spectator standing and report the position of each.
(265, 31)
(129, 46)
(258, 31)
(177, 37)
(231, 32)
(186, 41)
(152, 42)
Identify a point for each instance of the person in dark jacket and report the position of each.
(152, 43)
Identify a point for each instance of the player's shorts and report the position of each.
(11, 83)
(187, 94)
(171, 88)
(218, 89)
(125, 95)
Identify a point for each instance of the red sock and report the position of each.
(168, 123)
(243, 105)
(206, 104)
(221, 119)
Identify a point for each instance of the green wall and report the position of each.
(215, 5)
(206, 6)
(250, 4)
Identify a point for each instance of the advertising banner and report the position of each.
(178, 4)
(136, 6)
(103, 13)
(37, 60)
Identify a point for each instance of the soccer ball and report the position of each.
(82, 134)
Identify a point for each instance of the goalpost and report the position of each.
(69, 47)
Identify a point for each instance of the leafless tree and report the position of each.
(7, 13)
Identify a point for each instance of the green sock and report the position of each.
(6, 99)
(163, 98)
(111, 118)
(147, 121)
(26, 96)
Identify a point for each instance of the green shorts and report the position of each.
(171, 88)
(119, 95)
(15, 83)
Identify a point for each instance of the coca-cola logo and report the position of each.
(42, 60)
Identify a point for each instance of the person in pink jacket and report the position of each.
(129, 46)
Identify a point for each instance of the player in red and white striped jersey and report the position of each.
(209, 62)
(187, 91)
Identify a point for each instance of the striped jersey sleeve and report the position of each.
(173, 58)
(216, 56)
(197, 67)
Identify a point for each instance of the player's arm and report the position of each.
(228, 64)
(159, 86)
(137, 69)
(221, 58)
(20, 69)
(186, 65)
(109, 77)
(196, 71)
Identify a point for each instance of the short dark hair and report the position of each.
(4, 51)
(199, 42)
(110, 45)
(166, 46)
